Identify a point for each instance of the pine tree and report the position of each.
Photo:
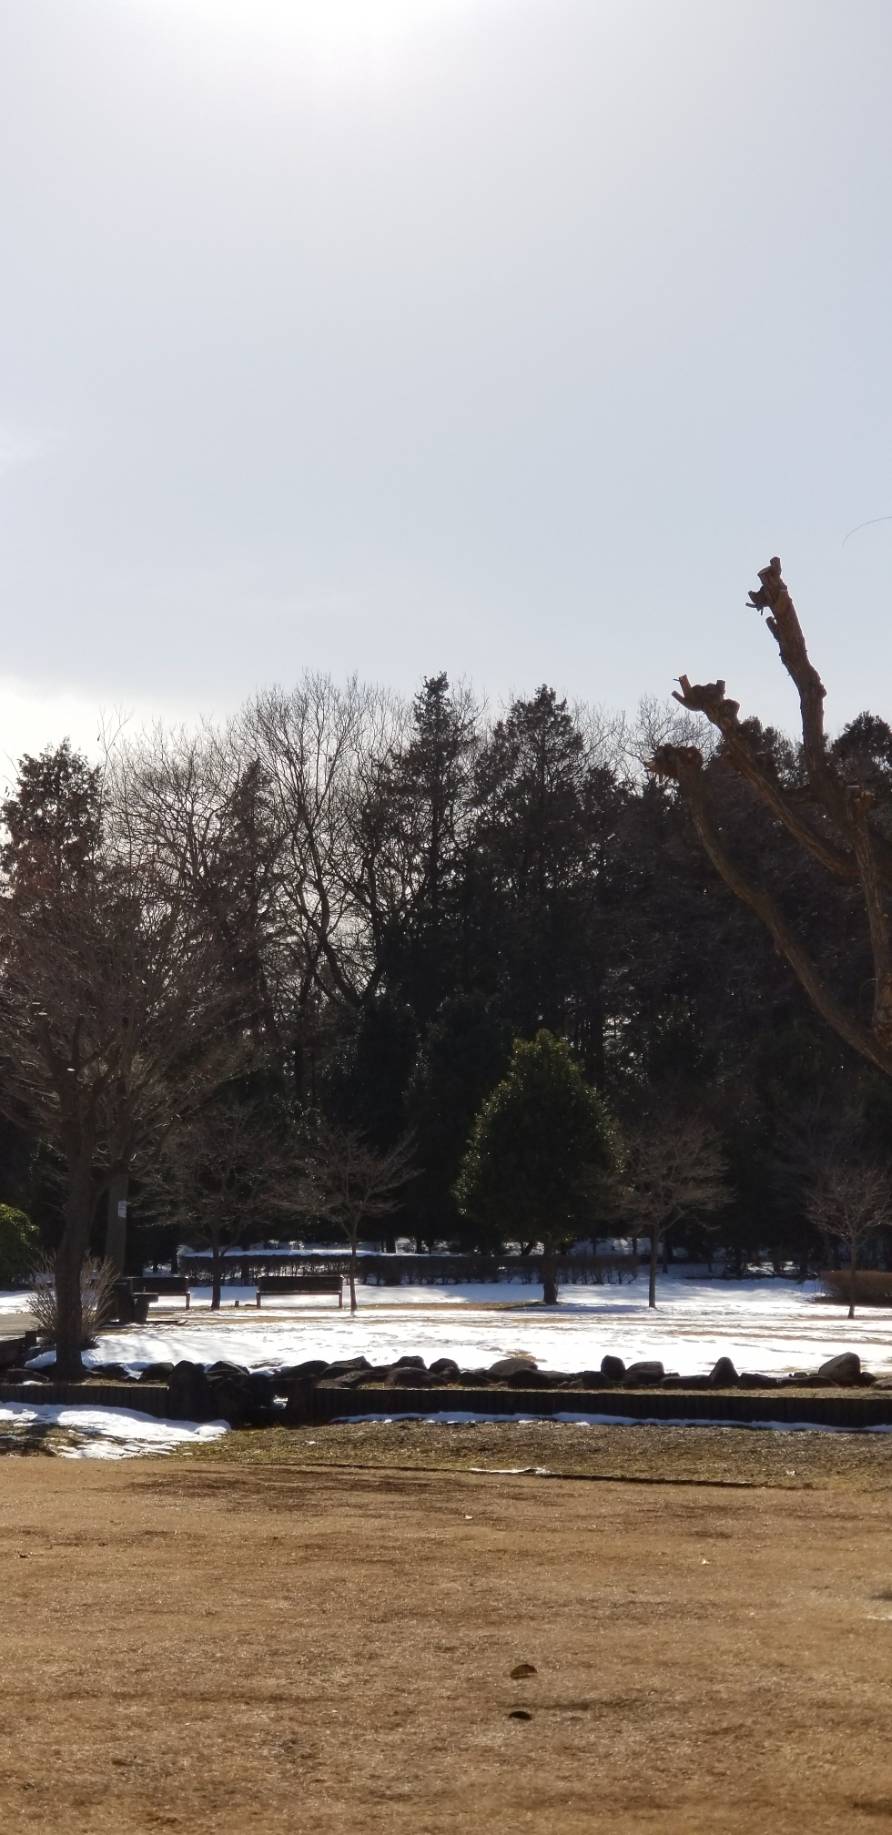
(541, 1153)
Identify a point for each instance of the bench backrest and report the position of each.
(296, 1283)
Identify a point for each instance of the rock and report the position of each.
(845, 1368)
(511, 1366)
(111, 1373)
(244, 1398)
(613, 1368)
(342, 1364)
(190, 1396)
(313, 1366)
(410, 1377)
(723, 1373)
(156, 1373)
(751, 1379)
(527, 1378)
(445, 1366)
(588, 1379)
(409, 1363)
(647, 1371)
(693, 1383)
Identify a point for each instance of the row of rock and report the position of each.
(255, 1397)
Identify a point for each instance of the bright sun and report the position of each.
(325, 29)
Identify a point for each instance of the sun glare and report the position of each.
(338, 35)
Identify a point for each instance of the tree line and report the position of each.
(337, 915)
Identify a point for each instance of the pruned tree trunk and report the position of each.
(116, 1221)
(78, 1214)
(654, 1258)
(351, 1274)
(853, 1277)
(549, 1275)
(216, 1276)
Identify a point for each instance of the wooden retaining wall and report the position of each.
(145, 1398)
(848, 1408)
(852, 1408)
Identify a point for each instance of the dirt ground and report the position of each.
(222, 1646)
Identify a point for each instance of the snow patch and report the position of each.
(108, 1433)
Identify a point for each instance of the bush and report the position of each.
(97, 1298)
(873, 1287)
(19, 1243)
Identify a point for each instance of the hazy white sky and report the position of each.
(501, 336)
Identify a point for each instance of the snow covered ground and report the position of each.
(768, 1325)
(101, 1433)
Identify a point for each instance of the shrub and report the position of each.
(97, 1297)
(873, 1287)
(18, 1246)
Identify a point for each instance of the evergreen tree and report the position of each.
(541, 1154)
(545, 814)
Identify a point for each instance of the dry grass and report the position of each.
(733, 1456)
(220, 1647)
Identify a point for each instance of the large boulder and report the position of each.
(243, 1398)
(844, 1368)
(410, 1377)
(311, 1367)
(647, 1371)
(513, 1366)
(190, 1397)
(529, 1378)
(723, 1374)
(445, 1367)
(613, 1368)
(341, 1365)
(409, 1363)
(156, 1373)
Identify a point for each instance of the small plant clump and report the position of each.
(97, 1289)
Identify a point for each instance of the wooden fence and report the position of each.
(851, 1409)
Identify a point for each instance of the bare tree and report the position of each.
(832, 819)
(850, 1202)
(347, 1184)
(674, 1170)
(217, 1177)
(115, 1005)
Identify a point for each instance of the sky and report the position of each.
(506, 337)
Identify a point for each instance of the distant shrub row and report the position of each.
(873, 1286)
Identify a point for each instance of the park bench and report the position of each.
(160, 1285)
(301, 1283)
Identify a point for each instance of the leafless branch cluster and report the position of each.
(829, 817)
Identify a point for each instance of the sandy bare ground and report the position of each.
(220, 1647)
